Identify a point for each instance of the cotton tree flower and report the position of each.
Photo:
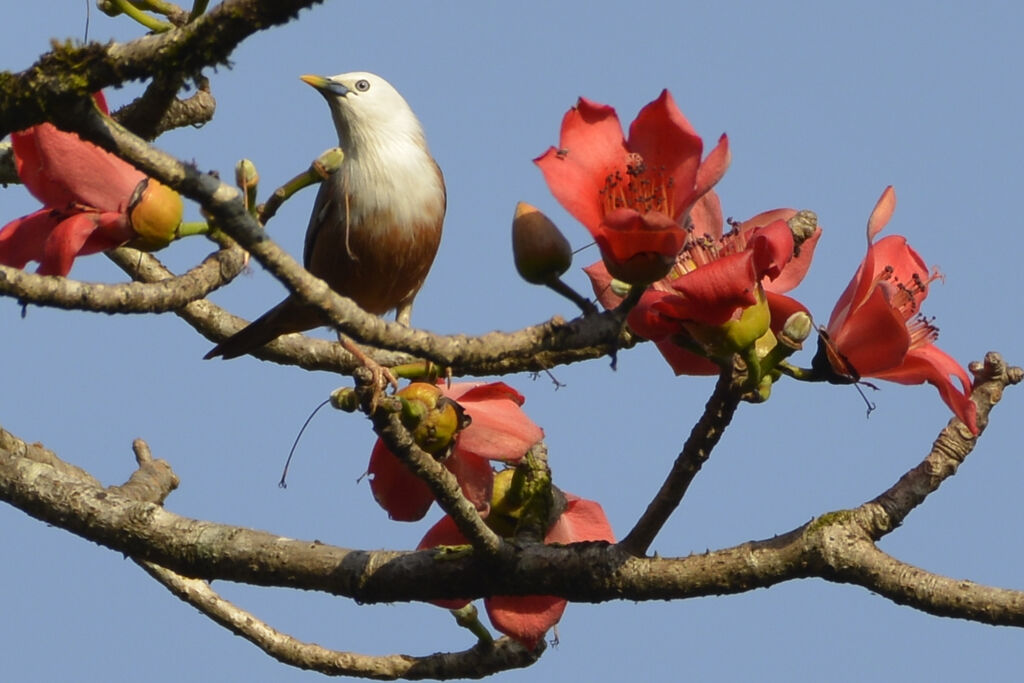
(634, 194)
(724, 290)
(499, 430)
(92, 201)
(877, 330)
(527, 618)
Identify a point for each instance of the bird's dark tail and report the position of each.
(288, 316)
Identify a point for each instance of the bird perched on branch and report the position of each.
(376, 223)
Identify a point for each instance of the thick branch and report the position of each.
(68, 72)
(835, 546)
(135, 297)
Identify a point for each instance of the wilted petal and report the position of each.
(499, 429)
(23, 239)
(396, 489)
(444, 533)
(59, 168)
(526, 618)
(475, 476)
(583, 520)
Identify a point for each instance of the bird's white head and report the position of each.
(365, 108)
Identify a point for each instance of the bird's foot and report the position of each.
(382, 376)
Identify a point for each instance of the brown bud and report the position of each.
(539, 248)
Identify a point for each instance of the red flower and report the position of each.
(528, 617)
(876, 329)
(632, 195)
(499, 430)
(93, 201)
(716, 280)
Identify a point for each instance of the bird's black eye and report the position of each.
(362, 85)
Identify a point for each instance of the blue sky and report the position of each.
(825, 104)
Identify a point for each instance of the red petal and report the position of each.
(601, 282)
(526, 618)
(444, 533)
(654, 316)
(591, 146)
(797, 267)
(685, 362)
(475, 476)
(404, 495)
(773, 248)
(22, 240)
(715, 291)
(476, 391)
(499, 430)
(782, 307)
(59, 168)
(706, 216)
(666, 140)
(873, 337)
(933, 365)
(882, 212)
(65, 242)
(626, 233)
(583, 520)
(713, 167)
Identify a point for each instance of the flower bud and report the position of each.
(539, 248)
(797, 328)
(328, 162)
(246, 174)
(345, 399)
(155, 212)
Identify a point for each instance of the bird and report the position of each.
(376, 222)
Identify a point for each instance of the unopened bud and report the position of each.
(246, 174)
(797, 328)
(539, 248)
(328, 162)
(345, 399)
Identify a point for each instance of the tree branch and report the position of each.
(68, 72)
(159, 296)
(476, 662)
(836, 546)
(442, 483)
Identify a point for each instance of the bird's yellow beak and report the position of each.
(325, 86)
(318, 82)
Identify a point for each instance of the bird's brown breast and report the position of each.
(370, 257)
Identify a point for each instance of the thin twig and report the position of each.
(705, 435)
